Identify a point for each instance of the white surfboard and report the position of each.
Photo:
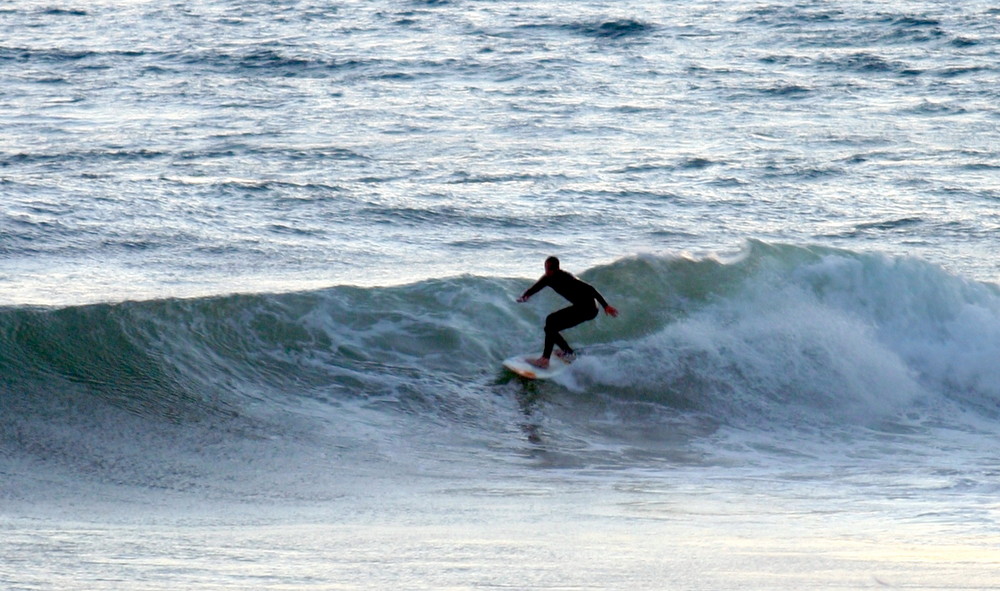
(519, 365)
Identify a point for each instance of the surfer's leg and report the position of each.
(561, 320)
(555, 322)
(552, 339)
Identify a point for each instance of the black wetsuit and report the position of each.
(581, 294)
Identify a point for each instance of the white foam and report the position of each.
(842, 336)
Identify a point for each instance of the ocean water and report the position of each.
(258, 264)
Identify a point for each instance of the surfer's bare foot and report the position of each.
(541, 362)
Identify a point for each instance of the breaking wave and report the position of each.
(776, 337)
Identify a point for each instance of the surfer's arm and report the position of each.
(608, 308)
(537, 287)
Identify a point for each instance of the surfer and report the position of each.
(582, 295)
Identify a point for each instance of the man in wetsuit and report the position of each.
(582, 295)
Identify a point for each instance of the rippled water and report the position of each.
(178, 149)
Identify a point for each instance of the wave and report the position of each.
(226, 396)
(816, 333)
(773, 336)
(174, 358)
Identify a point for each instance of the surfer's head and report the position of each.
(551, 265)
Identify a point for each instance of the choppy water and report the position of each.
(258, 263)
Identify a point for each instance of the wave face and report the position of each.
(778, 338)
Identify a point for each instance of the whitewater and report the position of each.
(259, 263)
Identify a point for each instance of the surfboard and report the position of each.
(519, 365)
